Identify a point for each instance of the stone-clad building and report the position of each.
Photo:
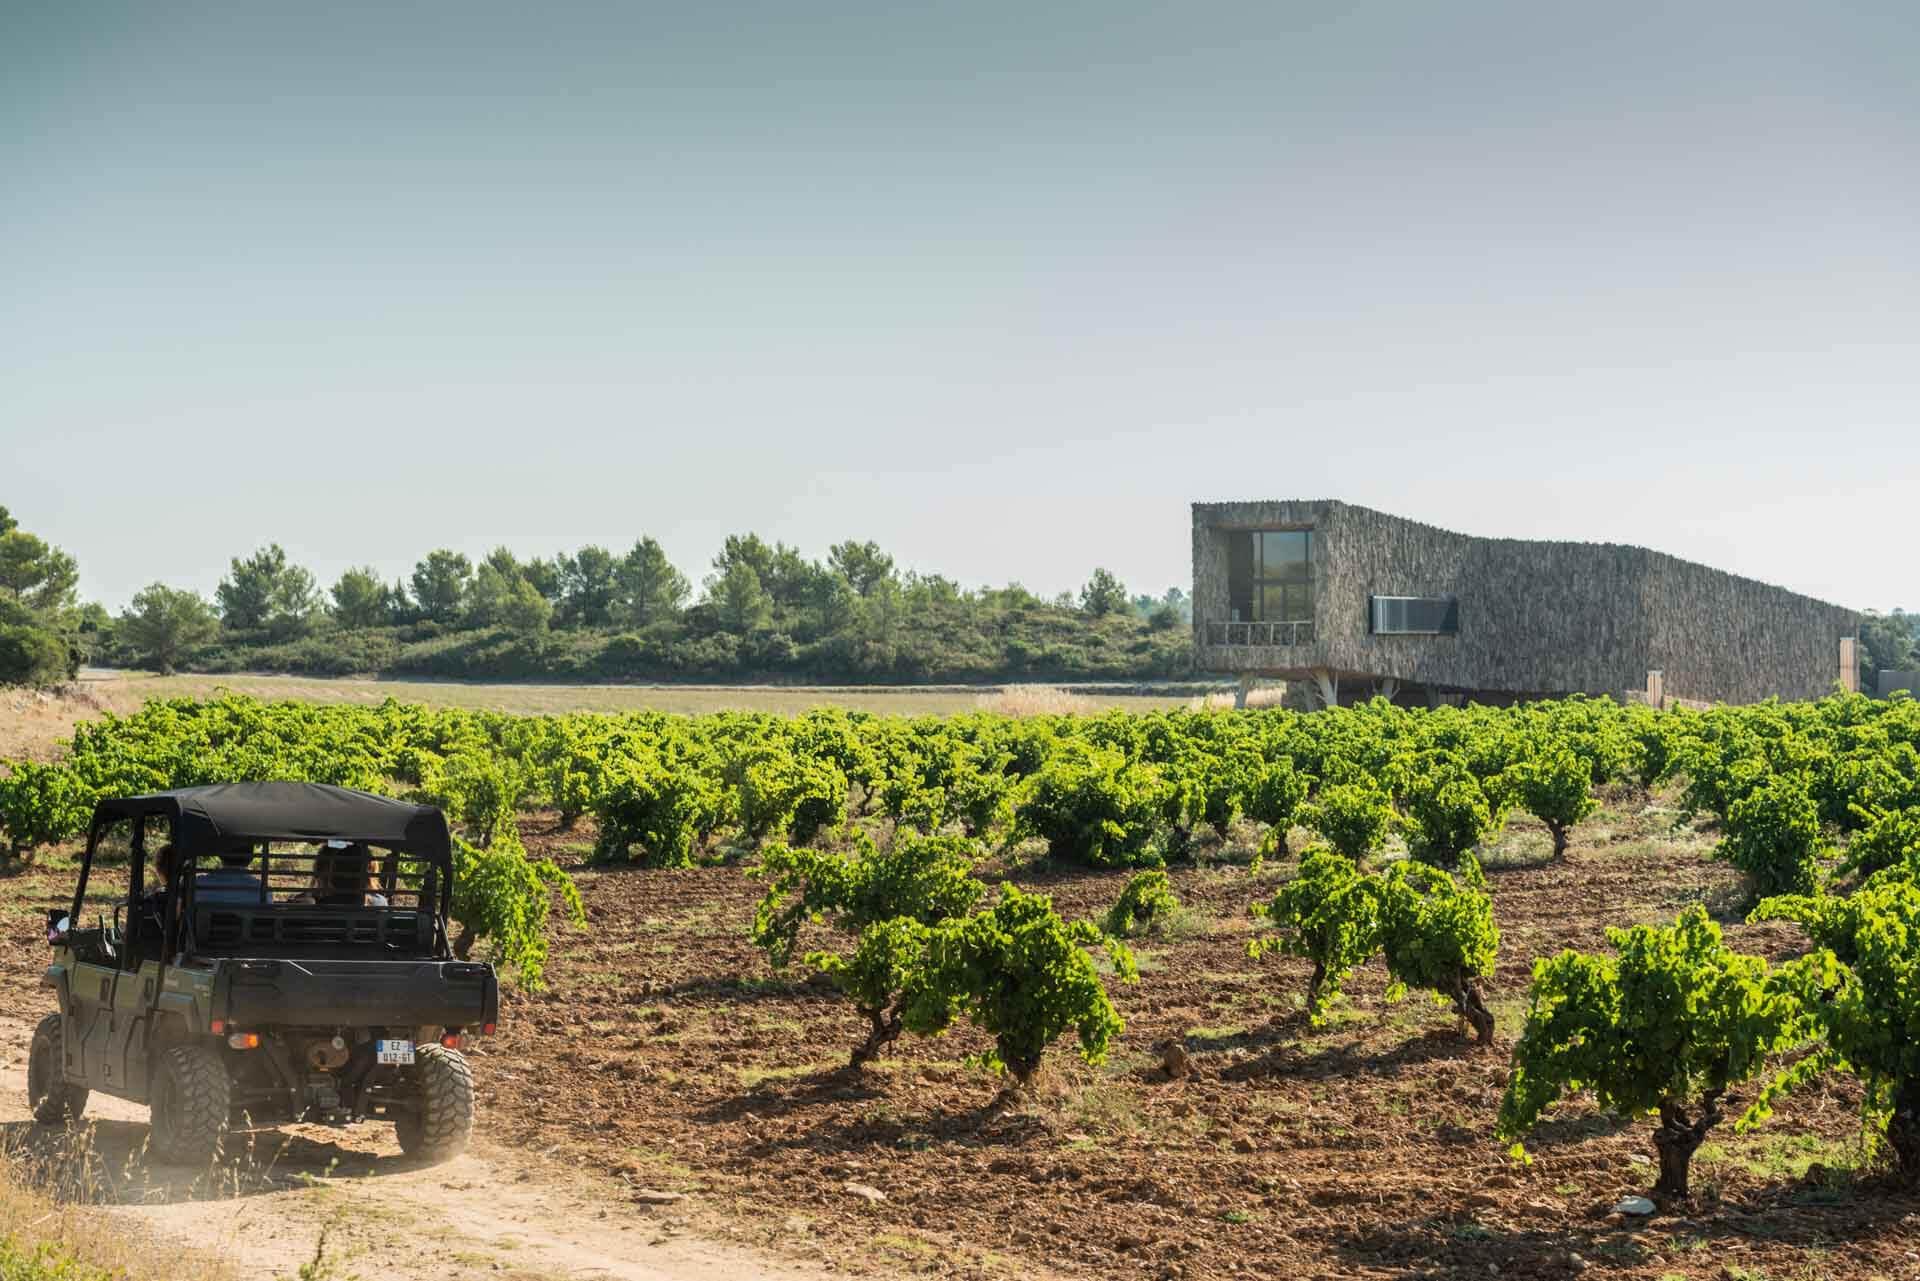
(1355, 602)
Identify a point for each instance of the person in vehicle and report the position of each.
(150, 921)
(155, 899)
(231, 882)
(342, 872)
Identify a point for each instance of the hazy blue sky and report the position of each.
(1002, 286)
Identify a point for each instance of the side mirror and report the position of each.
(58, 924)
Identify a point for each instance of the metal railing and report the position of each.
(1272, 634)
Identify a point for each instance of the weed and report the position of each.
(320, 1267)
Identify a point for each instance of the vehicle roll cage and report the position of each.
(405, 852)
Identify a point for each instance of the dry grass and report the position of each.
(32, 721)
(92, 1238)
(1259, 696)
(1042, 700)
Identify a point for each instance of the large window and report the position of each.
(1413, 615)
(1269, 576)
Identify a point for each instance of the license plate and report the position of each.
(393, 1051)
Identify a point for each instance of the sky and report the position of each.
(1003, 287)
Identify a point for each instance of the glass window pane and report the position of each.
(1282, 556)
(1273, 603)
(1281, 548)
(114, 844)
(1240, 576)
(1299, 603)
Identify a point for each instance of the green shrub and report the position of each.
(887, 960)
(1183, 798)
(1663, 1030)
(1556, 787)
(1890, 839)
(1275, 792)
(666, 810)
(1839, 780)
(1651, 737)
(1328, 914)
(779, 793)
(1354, 818)
(41, 805)
(1018, 973)
(1869, 1013)
(477, 789)
(1448, 812)
(1229, 776)
(910, 800)
(1146, 901)
(1773, 838)
(35, 656)
(1438, 934)
(571, 772)
(926, 878)
(887, 897)
(500, 894)
(1093, 807)
(980, 794)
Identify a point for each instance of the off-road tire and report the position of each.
(192, 1100)
(441, 1122)
(54, 1102)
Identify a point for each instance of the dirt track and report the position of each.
(491, 1213)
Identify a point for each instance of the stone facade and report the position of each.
(1535, 618)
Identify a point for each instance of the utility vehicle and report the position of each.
(280, 955)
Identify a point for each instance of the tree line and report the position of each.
(43, 627)
(1888, 642)
(764, 610)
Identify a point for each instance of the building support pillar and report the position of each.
(1240, 693)
(1328, 685)
(1386, 687)
(1849, 664)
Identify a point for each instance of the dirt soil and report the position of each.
(667, 1056)
(349, 1197)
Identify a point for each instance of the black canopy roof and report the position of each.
(221, 813)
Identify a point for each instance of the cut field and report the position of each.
(127, 691)
(667, 1055)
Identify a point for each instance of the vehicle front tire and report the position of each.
(53, 1100)
(192, 1100)
(442, 1120)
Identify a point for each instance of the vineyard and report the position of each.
(1143, 974)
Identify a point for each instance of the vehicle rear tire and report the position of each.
(53, 1100)
(442, 1120)
(192, 1100)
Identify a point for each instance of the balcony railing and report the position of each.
(1260, 633)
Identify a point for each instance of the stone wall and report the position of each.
(1535, 617)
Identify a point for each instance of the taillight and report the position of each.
(453, 1041)
(486, 1029)
(244, 1040)
(217, 1026)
